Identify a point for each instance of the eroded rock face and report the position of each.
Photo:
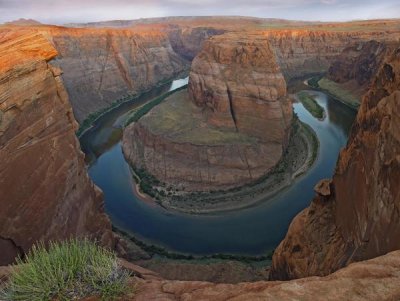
(238, 84)
(360, 62)
(188, 41)
(45, 191)
(303, 52)
(102, 65)
(359, 219)
(232, 128)
(376, 279)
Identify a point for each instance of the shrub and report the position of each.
(68, 270)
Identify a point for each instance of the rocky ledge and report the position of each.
(229, 129)
(375, 279)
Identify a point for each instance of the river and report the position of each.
(250, 231)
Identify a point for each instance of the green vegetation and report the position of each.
(311, 105)
(143, 110)
(69, 270)
(336, 91)
(147, 183)
(87, 123)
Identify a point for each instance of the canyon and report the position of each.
(51, 75)
(110, 62)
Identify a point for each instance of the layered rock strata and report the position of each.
(45, 191)
(358, 217)
(188, 41)
(230, 129)
(102, 65)
(359, 62)
(301, 52)
(238, 84)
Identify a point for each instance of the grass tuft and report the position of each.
(68, 270)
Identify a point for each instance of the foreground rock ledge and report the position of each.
(228, 130)
(372, 280)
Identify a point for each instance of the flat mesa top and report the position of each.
(180, 120)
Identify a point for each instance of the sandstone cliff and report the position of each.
(359, 62)
(301, 52)
(356, 215)
(45, 191)
(356, 67)
(232, 130)
(188, 41)
(238, 84)
(102, 65)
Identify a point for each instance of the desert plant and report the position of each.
(67, 270)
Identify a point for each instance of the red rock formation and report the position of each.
(236, 132)
(372, 280)
(45, 191)
(197, 166)
(359, 62)
(301, 52)
(360, 217)
(356, 67)
(188, 41)
(238, 83)
(102, 65)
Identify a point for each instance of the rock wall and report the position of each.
(197, 167)
(359, 62)
(188, 41)
(45, 191)
(102, 65)
(304, 52)
(356, 216)
(239, 85)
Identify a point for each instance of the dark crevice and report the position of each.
(18, 250)
(231, 107)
